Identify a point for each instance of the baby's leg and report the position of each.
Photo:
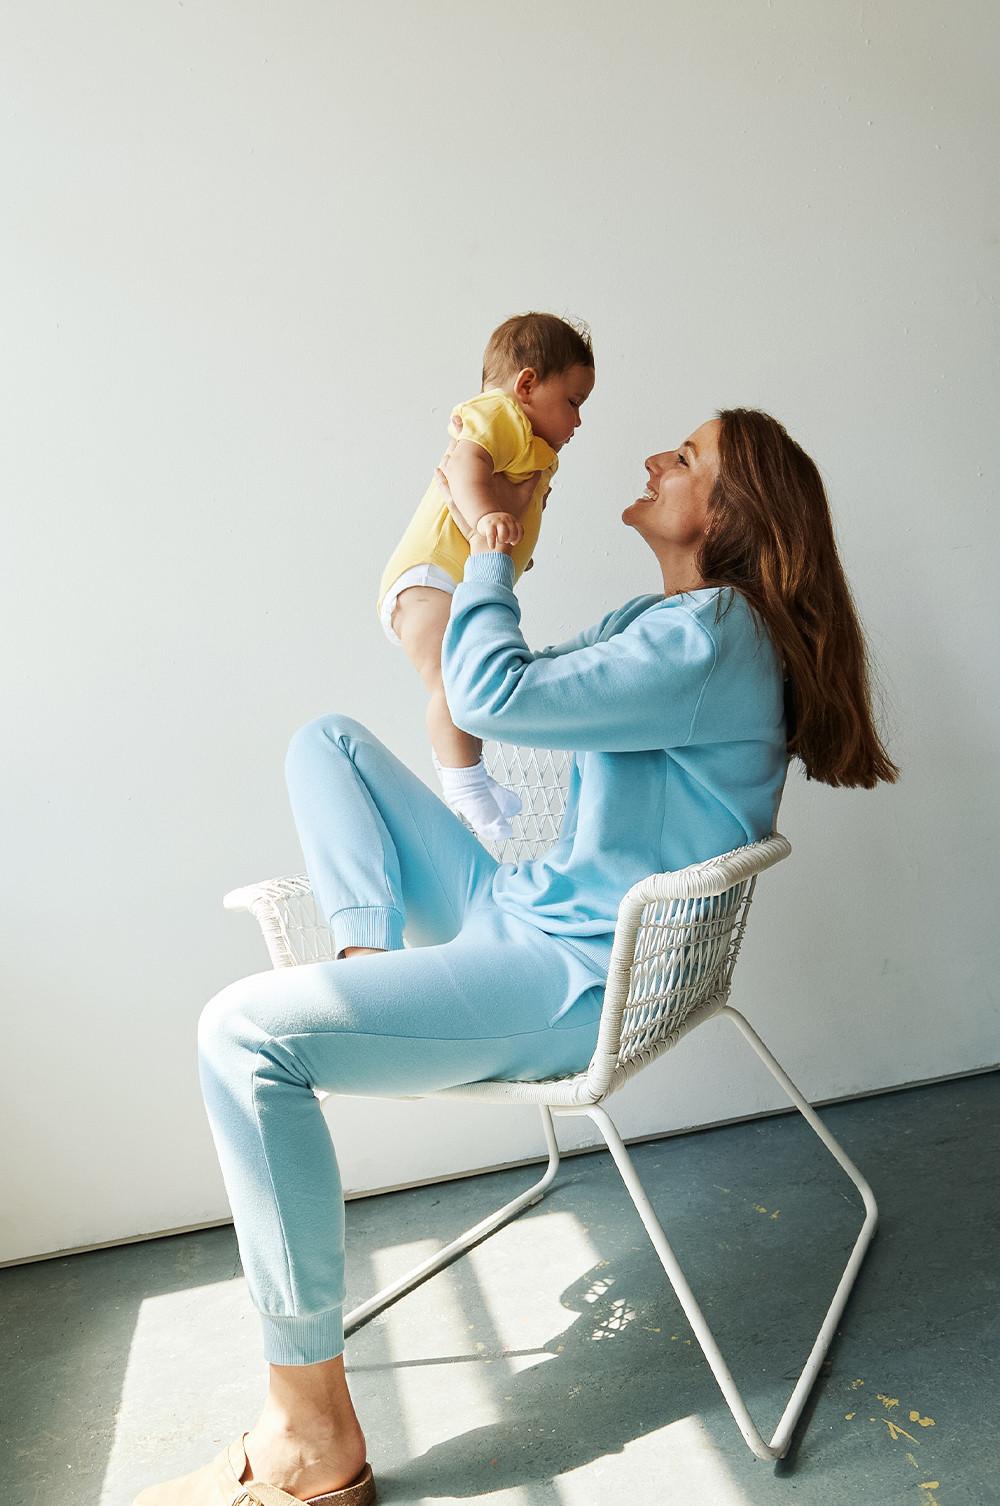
(419, 620)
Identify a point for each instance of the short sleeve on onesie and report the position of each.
(496, 422)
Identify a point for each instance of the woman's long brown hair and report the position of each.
(770, 537)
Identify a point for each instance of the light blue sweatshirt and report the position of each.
(673, 708)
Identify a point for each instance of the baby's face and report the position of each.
(553, 406)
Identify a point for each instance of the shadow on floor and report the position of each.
(916, 1335)
(608, 1392)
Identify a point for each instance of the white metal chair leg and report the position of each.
(679, 1283)
(779, 1443)
(797, 1400)
(406, 1283)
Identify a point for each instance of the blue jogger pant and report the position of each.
(476, 993)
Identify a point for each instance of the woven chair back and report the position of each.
(541, 777)
(685, 952)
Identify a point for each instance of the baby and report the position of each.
(538, 371)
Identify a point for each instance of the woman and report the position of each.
(682, 710)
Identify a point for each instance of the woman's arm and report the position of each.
(640, 689)
(512, 496)
(589, 636)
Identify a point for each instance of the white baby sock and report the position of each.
(486, 805)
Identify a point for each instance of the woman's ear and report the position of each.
(525, 383)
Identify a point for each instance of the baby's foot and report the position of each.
(472, 794)
(508, 803)
(482, 813)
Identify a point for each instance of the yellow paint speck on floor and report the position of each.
(895, 1431)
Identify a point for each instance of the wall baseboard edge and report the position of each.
(483, 1171)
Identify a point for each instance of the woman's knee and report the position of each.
(223, 1026)
(320, 735)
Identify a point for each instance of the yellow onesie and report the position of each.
(496, 421)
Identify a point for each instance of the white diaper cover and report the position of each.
(417, 575)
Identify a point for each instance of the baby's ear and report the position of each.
(457, 422)
(525, 382)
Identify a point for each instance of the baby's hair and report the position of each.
(544, 342)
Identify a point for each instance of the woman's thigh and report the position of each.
(491, 1003)
(373, 834)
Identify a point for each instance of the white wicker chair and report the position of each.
(675, 947)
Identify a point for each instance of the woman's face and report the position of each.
(673, 510)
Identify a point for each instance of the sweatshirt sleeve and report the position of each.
(581, 640)
(637, 690)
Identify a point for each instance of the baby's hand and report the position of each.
(499, 530)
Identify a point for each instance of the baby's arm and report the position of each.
(499, 527)
(473, 492)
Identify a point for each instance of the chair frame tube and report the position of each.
(781, 1439)
(427, 1268)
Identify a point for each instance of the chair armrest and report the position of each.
(267, 890)
(700, 880)
(292, 927)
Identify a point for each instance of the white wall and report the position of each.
(255, 254)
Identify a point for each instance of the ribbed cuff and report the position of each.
(493, 568)
(368, 925)
(303, 1341)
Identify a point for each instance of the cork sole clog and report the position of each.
(220, 1484)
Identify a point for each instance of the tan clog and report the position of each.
(219, 1484)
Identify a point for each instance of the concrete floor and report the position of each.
(553, 1366)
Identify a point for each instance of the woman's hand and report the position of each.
(441, 473)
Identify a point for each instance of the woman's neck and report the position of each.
(680, 572)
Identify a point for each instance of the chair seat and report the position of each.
(578, 1090)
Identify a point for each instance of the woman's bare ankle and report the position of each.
(304, 1463)
(308, 1448)
(358, 951)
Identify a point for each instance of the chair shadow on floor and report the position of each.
(627, 1364)
(616, 1374)
(919, 1332)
